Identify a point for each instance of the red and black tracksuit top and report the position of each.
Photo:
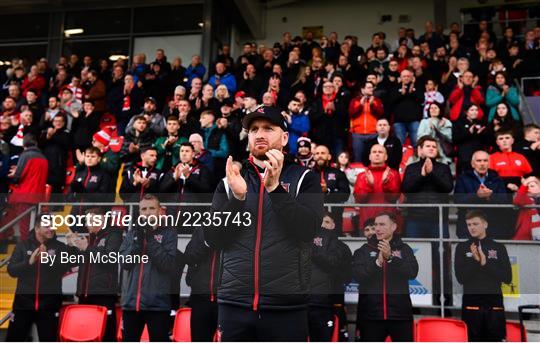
(39, 286)
(266, 264)
(100, 278)
(383, 292)
(203, 267)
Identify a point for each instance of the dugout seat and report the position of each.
(83, 323)
(441, 330)
(513, 332)
(182, 325)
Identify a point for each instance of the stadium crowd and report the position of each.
(453, 92)
(421, 120)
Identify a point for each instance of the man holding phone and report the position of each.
(383, 267)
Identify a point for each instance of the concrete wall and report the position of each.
(359, 17)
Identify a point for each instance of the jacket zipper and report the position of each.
(87, 274)
(36, 300)
(212, 267)
(385, 311)
(258, 239)
(87, 178)
(139, 283)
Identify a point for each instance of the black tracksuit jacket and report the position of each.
(383, 292)
(266, 263)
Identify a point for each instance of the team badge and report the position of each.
(101, 242)
(93, 178)
(396, 253)
(158, 238)
(492, 254)
(373, 254)
(286, 186)
(331, 176)
(51, 252)
(317, 241)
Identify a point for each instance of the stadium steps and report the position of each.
(7, 287)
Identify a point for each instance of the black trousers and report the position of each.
(21, 323)
(157, 321)
(243, 324)
(109, 301)
(484, 324)
(204, 318)
(321, 323)
(378, 330)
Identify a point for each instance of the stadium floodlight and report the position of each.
(115, 58)
(7, 63)
(201, 24)
(71, 32)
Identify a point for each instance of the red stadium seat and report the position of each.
(513, 332)
(441, 330)
(182, 325)
(83, 323)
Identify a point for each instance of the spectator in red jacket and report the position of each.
(364, 111)
(379, 184)
(33, 81)
(465, 93)
(528, 223)
(511, 166)
(29, 178)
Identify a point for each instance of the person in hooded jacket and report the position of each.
(38, 296)
(136, 139)
(383, 267)
(330, 269)
(265, 260)
(202, 277)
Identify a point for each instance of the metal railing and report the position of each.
(29, 211)
(524, 107)
(441, 240)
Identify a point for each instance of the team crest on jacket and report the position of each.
(396, 253)
(101, 242)
(331, 176)
(196, 172)
(492, 254)
(373, 254)
(317, 241)
(51, 252)
(93, 178)
(158, 238)
(286, 186)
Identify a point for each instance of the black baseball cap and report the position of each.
(151, 99)
(271, 114)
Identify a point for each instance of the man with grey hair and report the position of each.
(482, 185)
(201, 154)
(179, 94)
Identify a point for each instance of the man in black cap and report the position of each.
(265, 253)
(156, 122)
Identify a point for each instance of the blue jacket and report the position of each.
(500, 219)
(299, 127)
(227, 79)
(193, 72)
